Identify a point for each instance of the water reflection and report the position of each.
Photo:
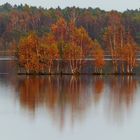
(71, 98)
(60, 96)
(121, 97)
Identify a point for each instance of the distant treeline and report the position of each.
(43, 36)
(17, 21)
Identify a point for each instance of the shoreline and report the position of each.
(79, 74)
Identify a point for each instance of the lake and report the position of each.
(69, 107)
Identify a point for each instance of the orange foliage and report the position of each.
(59, 29)
(35, 55)
(98, 55)
(73, 44)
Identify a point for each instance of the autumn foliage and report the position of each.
(69, 45)
(37, 55)
(64, 42)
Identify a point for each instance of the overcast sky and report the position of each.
(120, 5)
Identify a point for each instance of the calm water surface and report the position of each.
(69, 108)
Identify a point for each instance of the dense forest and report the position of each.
(41, 36)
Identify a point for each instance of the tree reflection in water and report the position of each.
(122, 91)
(70, 97)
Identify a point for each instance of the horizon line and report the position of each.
(64, 7)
